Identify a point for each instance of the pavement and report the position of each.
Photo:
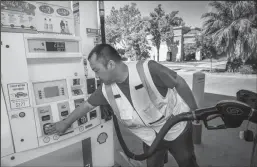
(197, 64)
(204, 66)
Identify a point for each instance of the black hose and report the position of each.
(160, 136)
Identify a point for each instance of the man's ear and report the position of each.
(111, 65)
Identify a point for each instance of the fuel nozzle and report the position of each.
(232, 113)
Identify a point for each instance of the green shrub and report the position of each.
(247, 69)
(234, 65)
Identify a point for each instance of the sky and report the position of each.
(190, 11)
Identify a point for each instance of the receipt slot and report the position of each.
(42, 85)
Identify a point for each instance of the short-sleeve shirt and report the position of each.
(162, 76)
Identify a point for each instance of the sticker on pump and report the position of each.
(18, 95)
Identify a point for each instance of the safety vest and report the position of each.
(150, 109)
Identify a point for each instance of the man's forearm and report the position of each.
(186, 94)
(79, 112)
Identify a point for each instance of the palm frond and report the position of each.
(218, 5)
(210, 14)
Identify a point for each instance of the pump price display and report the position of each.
(55, 46)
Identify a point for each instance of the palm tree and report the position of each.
(160, 26)
(170, 20)
(232, 25)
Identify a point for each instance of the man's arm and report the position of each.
(185, 92)
(171, 79)
(79, 112)
(96, 99)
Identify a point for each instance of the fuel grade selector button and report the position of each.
(46, 139)
(56, 137)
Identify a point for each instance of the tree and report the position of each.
(156, 26)
(171, 20)
(207, 47)
(125, 30)
(189, 50)
(233, 25)
(161, 27)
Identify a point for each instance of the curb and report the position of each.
(242, 76)
(190, 66)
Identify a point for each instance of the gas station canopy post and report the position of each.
(102, 22)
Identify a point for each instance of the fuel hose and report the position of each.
(164, 130)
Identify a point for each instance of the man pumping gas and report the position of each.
(143, 95)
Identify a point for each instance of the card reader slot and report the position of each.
(88, 126)
(66, 133)
(46, 118)
(92, 114)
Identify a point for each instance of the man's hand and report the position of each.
(59, 127)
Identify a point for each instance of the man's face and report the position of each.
(102, 72)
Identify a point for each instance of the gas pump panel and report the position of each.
(50, 45)
(64, 111)
(84, 119)
(46, 118)
(77, 87)
(55, 74)
(91, 86)
(43, 81)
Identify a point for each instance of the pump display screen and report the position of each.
(55, 46)
(51, 91)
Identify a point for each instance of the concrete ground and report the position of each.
(197, 64)
(218, 148)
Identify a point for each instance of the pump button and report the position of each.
(56, 137)
(63, 106)
(93, 114)
(22, 114)
(40, 94)
(81, 128)
(46, 139)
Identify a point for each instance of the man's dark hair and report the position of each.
(105, 52)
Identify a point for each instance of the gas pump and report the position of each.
(42, 81)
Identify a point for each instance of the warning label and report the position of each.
(18, 95)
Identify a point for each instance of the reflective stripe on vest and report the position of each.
(145, 82)
(113, 104)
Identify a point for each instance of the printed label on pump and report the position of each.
(18, 95)
(18, 14)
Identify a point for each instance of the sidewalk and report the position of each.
(192, 67)
(221, 74)
(220, 64)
